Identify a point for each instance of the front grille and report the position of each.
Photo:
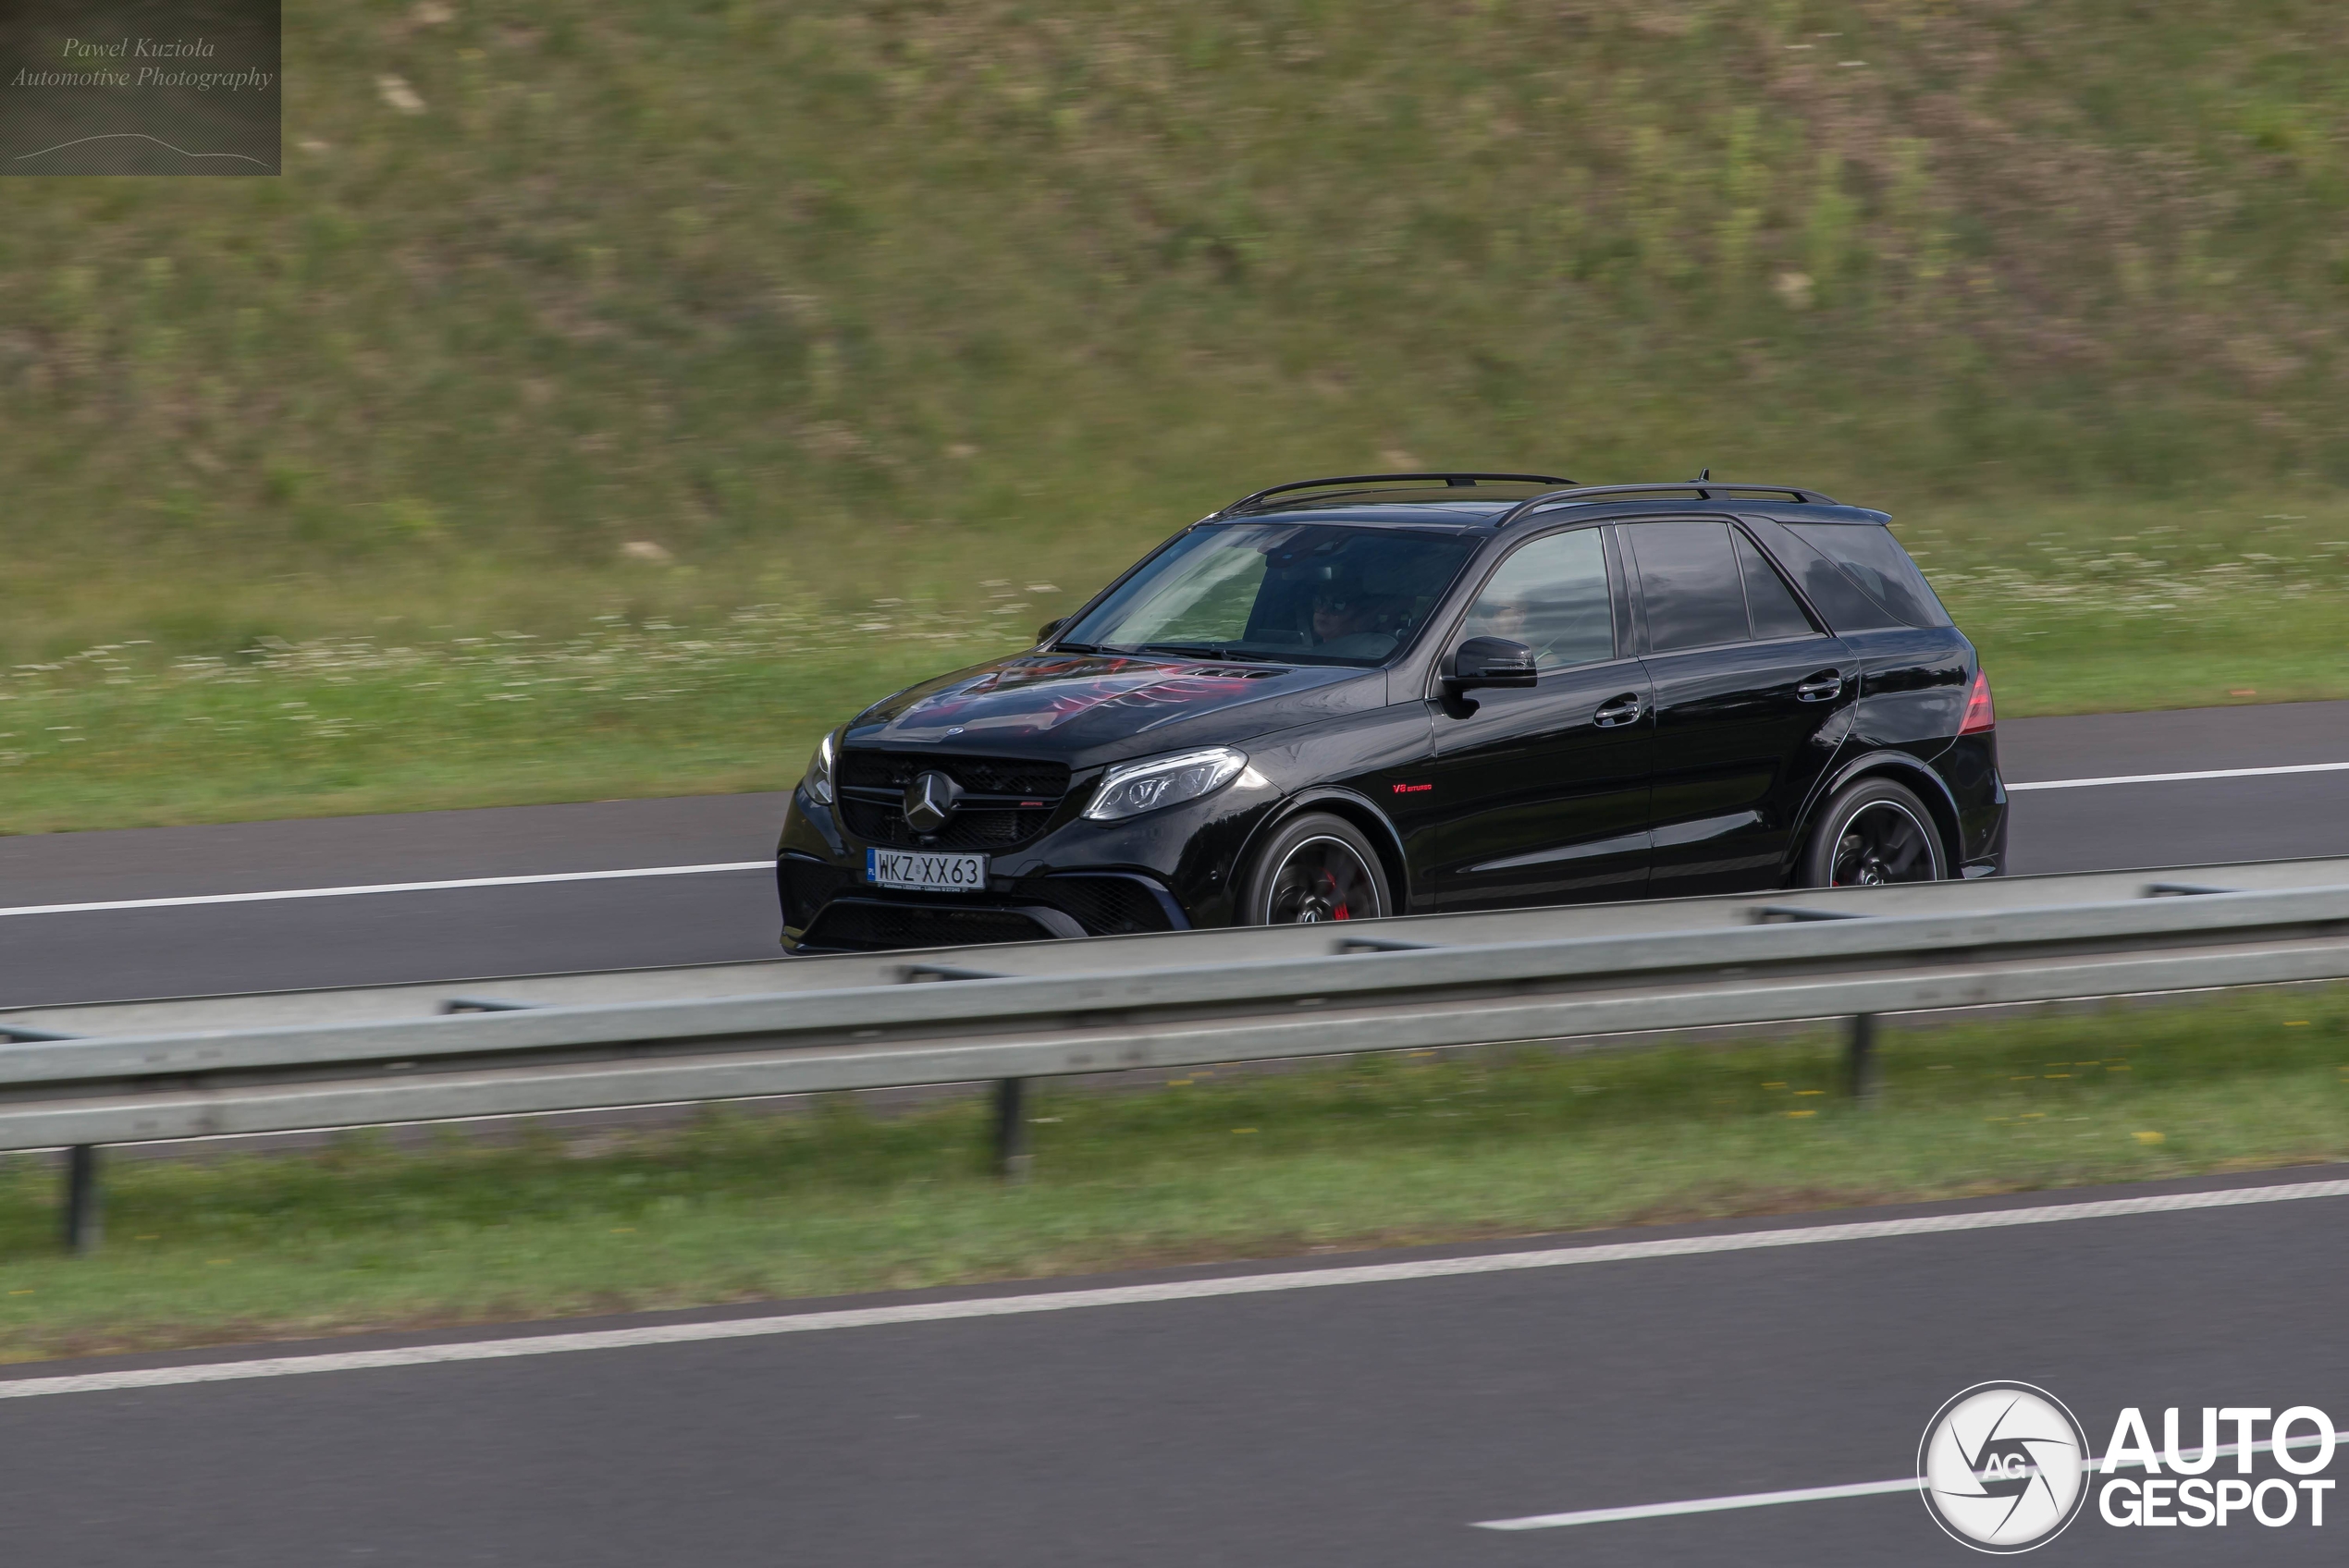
(1104, 906)
(880, 822)
(1006, 801)
(868, 925)
(980, 776)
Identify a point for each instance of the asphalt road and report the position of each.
(1359, 1426)
(470, 932)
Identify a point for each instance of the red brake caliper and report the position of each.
(1331, 881)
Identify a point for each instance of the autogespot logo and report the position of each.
(2003, 1467)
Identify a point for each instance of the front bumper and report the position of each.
(827, 910)
(1165, 871)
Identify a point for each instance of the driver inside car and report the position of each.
(1345, 621)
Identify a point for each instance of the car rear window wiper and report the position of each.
(1213, 651)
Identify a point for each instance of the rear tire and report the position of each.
(1875, 832)
(1316, 868)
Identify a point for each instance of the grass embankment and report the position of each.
(660, 312)
(1379, 1151)
(130, 735)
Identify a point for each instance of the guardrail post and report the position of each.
(83, 1218)
(1011, 1129)
(1862, 1055)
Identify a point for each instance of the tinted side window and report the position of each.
(1689, 582)
(1831, 594)
(1872, 559)
(1769, 601)
(1552, 597)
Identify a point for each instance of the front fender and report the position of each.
(1356, 808)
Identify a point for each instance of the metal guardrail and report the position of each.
(153, 1072)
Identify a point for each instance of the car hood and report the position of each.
(1086, 708)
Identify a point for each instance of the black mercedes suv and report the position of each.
(1400, 694)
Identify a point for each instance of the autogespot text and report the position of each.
(2176, 1487)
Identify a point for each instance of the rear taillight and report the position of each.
(1980, 719)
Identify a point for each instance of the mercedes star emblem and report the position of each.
(930, 799)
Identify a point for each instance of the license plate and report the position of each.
(925, 873)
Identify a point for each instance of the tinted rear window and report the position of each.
(1871, 557)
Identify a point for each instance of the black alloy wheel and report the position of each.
(1317, 868)
(1882, 843)
(1872, 835)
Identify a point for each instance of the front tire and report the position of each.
(1873, 833)
(1316, 868)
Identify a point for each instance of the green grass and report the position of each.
(2087, 619)
(123, 736)
(1214, 1165)
(660, 310)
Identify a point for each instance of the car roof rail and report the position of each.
(1702, 488)
(1462, 481)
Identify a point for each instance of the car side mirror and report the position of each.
(1491, 661)
(1044, 632)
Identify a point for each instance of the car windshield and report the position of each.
(1295, 593)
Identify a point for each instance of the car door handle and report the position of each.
(1823, 687)
(1617, 711)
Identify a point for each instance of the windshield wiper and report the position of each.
(1213, 651)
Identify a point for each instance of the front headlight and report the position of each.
(818, 780)
(1133, 788)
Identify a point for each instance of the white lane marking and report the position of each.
(765, 865)
(198, 898)
(2181, 778)
(391, 887)
(1697, 1505)
(1801, 1494)
(1176, 1290)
